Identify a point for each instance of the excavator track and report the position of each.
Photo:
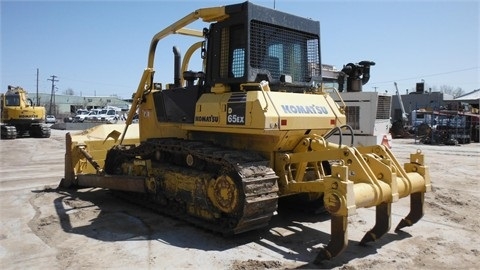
(8, 132)
(40, 130)
(221, 190)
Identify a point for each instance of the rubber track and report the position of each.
(40, 130)
(8, 132)
(255, 179)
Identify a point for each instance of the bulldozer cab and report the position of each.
(256, 44)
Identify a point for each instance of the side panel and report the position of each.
(268, 111)
(306, 111)
(367, 112)
(151, 127)
(23, 114)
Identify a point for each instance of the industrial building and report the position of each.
(66, 105)
(434, 101)
(449, 118)
(431, 101)
(472, 98)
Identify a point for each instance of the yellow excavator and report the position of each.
(219, 147)
(20, 116)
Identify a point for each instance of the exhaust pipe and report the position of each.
(177, 66)
(366, 70)
(356, 75)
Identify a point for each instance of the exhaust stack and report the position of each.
(177, 66)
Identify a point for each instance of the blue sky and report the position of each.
(100, 47)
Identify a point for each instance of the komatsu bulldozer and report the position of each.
(20, 116)
(219, 146)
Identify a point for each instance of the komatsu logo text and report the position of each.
(305, 109)
(212, 119)
(28, 116)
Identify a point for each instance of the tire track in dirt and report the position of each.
(46, 228)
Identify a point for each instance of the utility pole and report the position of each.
(38, 101)
(52, 95)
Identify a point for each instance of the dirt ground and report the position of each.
(46, 228)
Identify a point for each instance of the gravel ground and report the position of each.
(46, 228)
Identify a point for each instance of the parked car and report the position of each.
(81, 111)
(106, 115)
(135, 118)
(50, 119)
(86, 116)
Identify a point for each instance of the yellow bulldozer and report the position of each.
(219, 147)
(20, 117)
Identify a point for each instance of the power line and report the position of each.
(429, 75)
(38, 101)
(92, 82)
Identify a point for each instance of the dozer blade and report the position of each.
(338, 241)
(86, 150)
(416, 211)
(382, 223)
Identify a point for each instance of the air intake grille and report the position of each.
(384, 105)
(224, 52)
(353, 116)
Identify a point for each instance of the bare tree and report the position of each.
(458, 92)
(455, 92)
(69, 92)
